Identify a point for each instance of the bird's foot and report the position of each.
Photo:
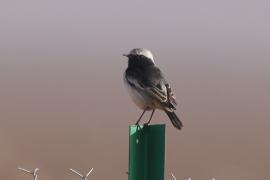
(146, 124)
(138, 127)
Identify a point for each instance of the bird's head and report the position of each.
(141, 52)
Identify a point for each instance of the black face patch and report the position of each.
(139, 61)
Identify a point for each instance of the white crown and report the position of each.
(142, 51)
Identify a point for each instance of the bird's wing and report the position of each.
(170, 95)
(158, 91)
(163, 93)
(153, 83)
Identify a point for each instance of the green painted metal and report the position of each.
(146, 152)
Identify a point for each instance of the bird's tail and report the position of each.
(174, 119)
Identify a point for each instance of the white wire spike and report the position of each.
(34, 173)
(174, 178)
(76, 172)
(24, 170)
(79, 174)
(89, 172)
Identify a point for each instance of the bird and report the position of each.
(148, 87)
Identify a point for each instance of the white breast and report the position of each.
(141, 100)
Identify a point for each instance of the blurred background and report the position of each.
(63, 102)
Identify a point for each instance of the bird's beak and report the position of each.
(126, 55)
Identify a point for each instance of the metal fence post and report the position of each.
(146, 152)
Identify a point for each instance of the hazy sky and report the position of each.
(63, 103)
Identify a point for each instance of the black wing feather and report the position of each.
(152, 80)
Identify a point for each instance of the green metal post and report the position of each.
(146, 152)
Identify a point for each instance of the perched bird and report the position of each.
(147, 86)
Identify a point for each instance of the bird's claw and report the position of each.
(146, 124)
(138, 127)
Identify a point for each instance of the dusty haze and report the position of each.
(63, 103)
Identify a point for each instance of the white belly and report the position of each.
(141, 100)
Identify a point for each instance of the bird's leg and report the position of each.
(150, 117)
(140, 117)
